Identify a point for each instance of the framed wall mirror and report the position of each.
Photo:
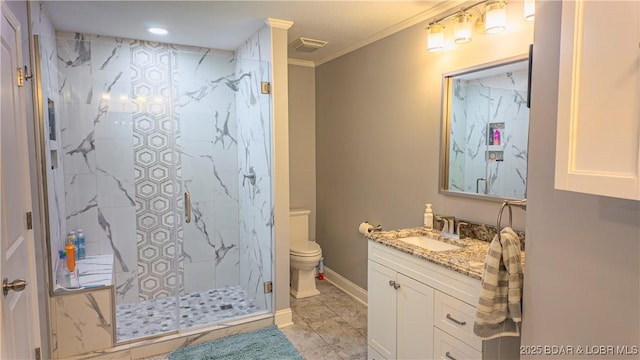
(485, 130)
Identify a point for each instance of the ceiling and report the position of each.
(225, 25)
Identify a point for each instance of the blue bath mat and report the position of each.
(264, 344)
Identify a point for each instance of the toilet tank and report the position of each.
(298, 226)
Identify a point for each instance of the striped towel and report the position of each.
(499, 310)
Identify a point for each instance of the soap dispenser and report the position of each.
(428, 217)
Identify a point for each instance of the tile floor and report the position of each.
(156, 316)
(330, 326)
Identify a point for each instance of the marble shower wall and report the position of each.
(485, 103)
(204, 107)
(52, 110)
(255, 157)
(142, 122)
(97, 141)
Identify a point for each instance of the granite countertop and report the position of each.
(468, 260)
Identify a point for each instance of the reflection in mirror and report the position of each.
(486, 130)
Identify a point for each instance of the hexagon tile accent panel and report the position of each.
(153, 71)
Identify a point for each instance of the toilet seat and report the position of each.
(310, 249)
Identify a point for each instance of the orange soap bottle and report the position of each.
(71, 254)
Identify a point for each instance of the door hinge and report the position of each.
(38, 356)
(265, 87)
(29, 220)
(20, 77)
(268, 287)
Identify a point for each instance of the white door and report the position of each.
(19, 331)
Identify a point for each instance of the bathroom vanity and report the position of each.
(421, 300)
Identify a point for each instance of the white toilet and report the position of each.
(304, 255)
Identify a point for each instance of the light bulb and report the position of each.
(462, 28)
(158, 31)
(496, 17)
(529, 10)
(435, 37)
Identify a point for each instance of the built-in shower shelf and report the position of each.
(96, 270)
(83, 320)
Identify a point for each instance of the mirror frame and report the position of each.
(445, 124)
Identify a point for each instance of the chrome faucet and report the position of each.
(458, 226)
(448, 222)
(251, 176)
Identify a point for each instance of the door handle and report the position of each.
(448, 355)
(15, 285)
(187, 207)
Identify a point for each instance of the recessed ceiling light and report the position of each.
(158, 31)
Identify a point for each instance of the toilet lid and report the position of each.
(310, 248)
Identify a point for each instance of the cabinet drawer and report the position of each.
(446, 347)
(456, 318)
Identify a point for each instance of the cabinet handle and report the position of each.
(456, 320)
(394, 284)
(448, 356)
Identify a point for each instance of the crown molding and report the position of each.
(436, 10)
(298, 62)
(279, 24)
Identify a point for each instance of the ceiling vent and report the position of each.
(307, 45)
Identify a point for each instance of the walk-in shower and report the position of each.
(162, 154)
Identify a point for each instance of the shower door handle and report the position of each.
(187, 207)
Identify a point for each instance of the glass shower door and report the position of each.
(218, 118)
(255, 161)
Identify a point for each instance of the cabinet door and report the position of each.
(598, 141)
(382, 310)
(415, 319)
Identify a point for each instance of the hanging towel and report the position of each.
(499, 310)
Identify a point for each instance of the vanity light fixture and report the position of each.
(496, 17)
(158, 31)
(529, 10)
(462, 28)
(491, 19)
(435, 37)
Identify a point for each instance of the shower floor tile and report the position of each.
(151, 317)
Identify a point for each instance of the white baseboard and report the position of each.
(342, 283)
(283, 318)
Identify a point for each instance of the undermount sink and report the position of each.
(428, 243)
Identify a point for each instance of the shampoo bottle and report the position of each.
(74, 240)
(428, 217)
(82, 245)
(71, 254)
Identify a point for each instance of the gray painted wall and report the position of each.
(581, 284)
(302, 141)
(378, 138)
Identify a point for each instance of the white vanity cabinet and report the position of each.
(421, 310)
(400, 321)
(598, 129)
